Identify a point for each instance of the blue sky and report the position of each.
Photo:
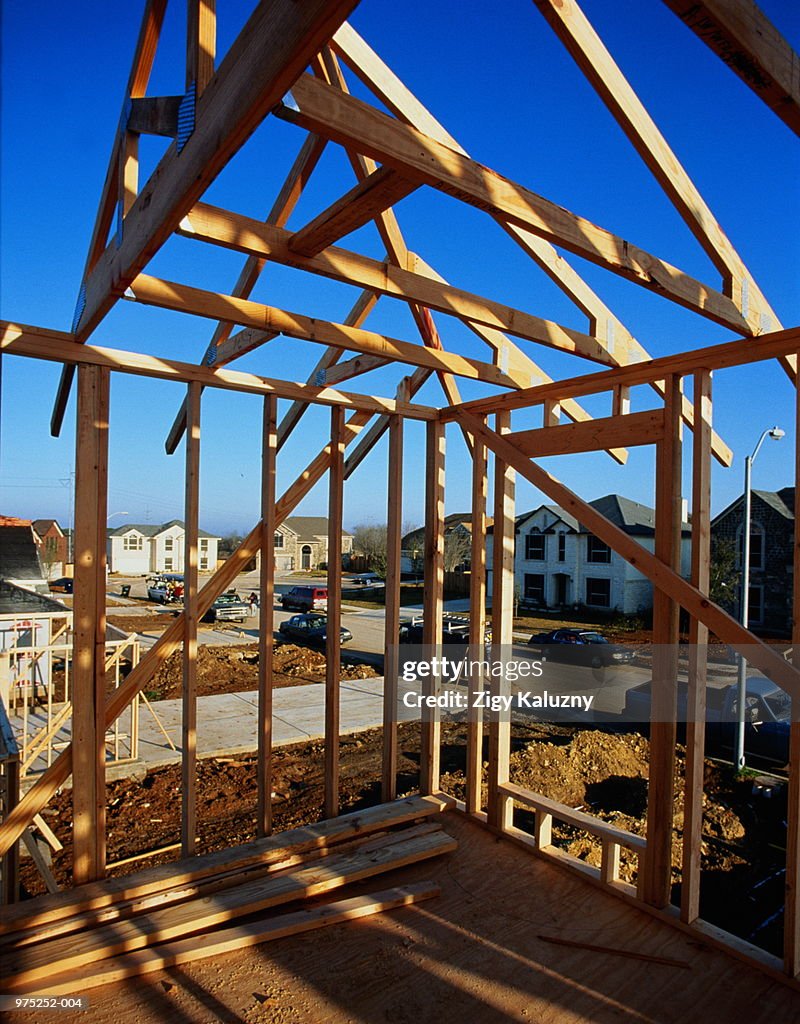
(500, 81)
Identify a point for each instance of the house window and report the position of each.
(756, 546)
(203, 564)
(597, 551)
(168, 543)
(168, 565)
(278, 540)
(535, 546)
(598, 593)
(203, 544)
(131, 542)
(534, 587)
(755, 613)
(562, 547)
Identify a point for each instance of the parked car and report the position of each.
(63, 585)
(310, 629)
(228, 607)
(165, 589)
(455, 630)
(364, 579)
(306, 599)
(768, 718)
(581, 647)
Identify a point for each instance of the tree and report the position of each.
(370, 541)
(724, 578)
(457, 548)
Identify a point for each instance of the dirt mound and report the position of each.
(226, 669)
(579, 773)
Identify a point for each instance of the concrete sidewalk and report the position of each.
(227, 723)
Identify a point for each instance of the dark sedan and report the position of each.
(61, 586)
(580, 647)
(310, 629)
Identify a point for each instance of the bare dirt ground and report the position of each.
(224, 669)
(600, 772)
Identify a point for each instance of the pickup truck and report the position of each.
(767, 718)
(228, 608)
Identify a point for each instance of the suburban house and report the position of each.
(457, 538)
(558, 563)
(771, 549)
(20, 565)
(136, 549)
(52, 544)
(301, 542)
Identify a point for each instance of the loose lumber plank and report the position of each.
(662, 576)
(603, 325)
(273, 48)
(379, 190)
(205, 888)
(638, 428)
(749, 44)
(243, 936)
(43, 343)
(42, 910)
(89, 625)
(631, 954)
(169, 295)
(31, 964)
(741, 352)
(230, 230)
(575, 31)
(344, 119)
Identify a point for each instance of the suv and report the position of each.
(306, 599)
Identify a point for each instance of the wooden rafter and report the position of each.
(56, 346)
(344, 119)
(587, 49)
(170, 295)
(603, 324)
(233, 231)
(746, 41)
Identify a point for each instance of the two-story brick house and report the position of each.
(52, 544)
(771, 549)
(558, 563)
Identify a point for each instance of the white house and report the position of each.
(136, 550)
(558, 563)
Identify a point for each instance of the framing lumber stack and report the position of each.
(89, 937)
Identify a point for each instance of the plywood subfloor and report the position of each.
(471, 956)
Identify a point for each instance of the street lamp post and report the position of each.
(741, 697)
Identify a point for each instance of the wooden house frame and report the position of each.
(265, 74)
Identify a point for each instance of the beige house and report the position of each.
(301, 542)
